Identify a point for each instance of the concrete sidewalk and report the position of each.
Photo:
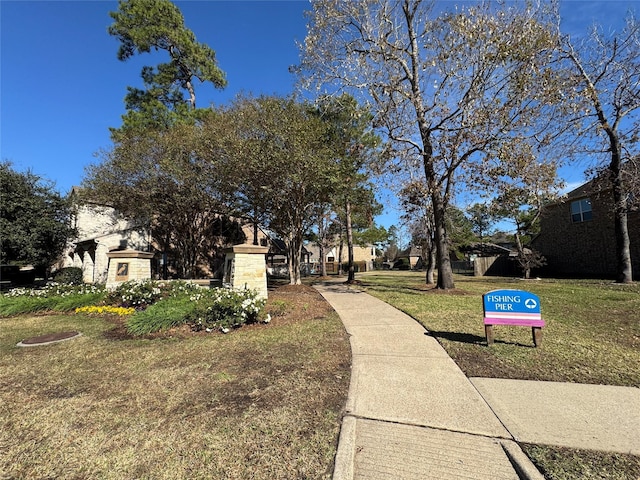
(574, 415)
(412, 414)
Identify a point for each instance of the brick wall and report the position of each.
(585, 248)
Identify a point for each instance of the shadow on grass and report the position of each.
(397, 288)
(471, 339)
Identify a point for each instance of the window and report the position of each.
(581, 210)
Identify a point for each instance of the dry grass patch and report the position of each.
(558, 463)
(262, 402)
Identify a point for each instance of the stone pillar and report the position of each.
(77, 260)
(87, 267)
(101, 263)
(245, 267)
(125, 265)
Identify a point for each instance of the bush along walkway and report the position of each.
(411, 413)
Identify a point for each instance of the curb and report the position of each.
(346, 453)
(523, 466)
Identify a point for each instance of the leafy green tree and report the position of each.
(35, 220)
(461, 230)
(446, 89)
(351, 137)
(161, 179)
(145, 25)
(278, 164)
(373, 235)
(154, 172)
(481, 219)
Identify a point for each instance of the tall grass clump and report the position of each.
(53, 297)
(163, 315)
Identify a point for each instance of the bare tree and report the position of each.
(607, 76)
(416, 203)
(447, 88)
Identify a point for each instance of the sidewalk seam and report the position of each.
(492, 409)
(418, 425)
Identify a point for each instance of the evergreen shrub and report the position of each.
(69, 276)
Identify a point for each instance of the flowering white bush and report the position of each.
(54, 297)
(216, 309)
(136, 293)
(54, 289)
(224, 308)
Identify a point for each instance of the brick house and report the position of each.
(577, 233)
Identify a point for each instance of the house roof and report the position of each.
(602, 183)
(279, 247)
(485, 248)
(412, 251)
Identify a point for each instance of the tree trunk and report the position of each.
(192, 95)
(624, 271)
(438, 200)
(322, 239)
(323, 265)
(340, 255)
(295, 253)
(521, 255)
(431, 266)
(255, 226)
(445, 273)
(352, 273)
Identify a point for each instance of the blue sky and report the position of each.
(62, 87)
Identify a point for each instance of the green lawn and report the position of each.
(592, 336)
(592, 333)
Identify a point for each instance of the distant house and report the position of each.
(363, 256)
(410, 258)
(101, 229)
(279, 253)
(577, 233)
